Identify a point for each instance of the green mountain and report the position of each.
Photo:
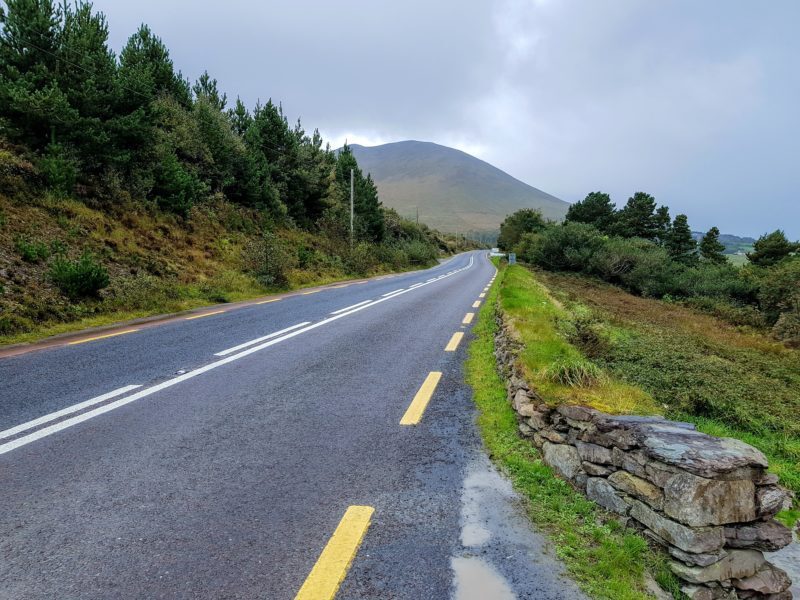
(453, 190)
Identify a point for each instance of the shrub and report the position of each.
(59, 169)
(82, 278)
(361, 259)
(418, 252)
(779, 289)
(617, 257)
(14, 324)
(568, 247)
(141, 292)
(31, 251)
(787, 328)
(269, 258)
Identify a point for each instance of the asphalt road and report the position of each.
(225, 474)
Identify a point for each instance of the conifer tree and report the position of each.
(711, 249)
(596, 209)
(637, 218)
(679, 242)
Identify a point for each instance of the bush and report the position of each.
(59, 169)
(418, 252)
(617, 257)
(787, 328)
(779, 289)
(141, 292)
(14, 324)
(31, 252)
(82, 278)
(361, 259)
(568, 247)
(269, 259)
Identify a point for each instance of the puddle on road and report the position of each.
(477, 580)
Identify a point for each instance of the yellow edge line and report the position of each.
(311, 292)
(331, 567)
(468, 318)
(102, 337)
(453, 343)
(268, 301)
(208, 314)
(476, 304)
(420, 401)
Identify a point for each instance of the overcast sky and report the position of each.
(697, 103)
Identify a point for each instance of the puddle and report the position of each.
(484, 504)
(788, 559)
(477, 580)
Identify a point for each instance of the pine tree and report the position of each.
(679, 242)
(596, 209)
(662, 221)
(771, 248)
(369, 219)
(205, 87)
(711, 249)
(637, 218)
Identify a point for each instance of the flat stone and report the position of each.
(769, 579)
(563, 458)
(637, 487)
(525, 430)
(596, 470)
(525, 410)
(702, 560)
(697, 540)
(697, 592)
(521, 398)
(698, 501)
(767, 479)
(602, 492)
(553, 436)
(659, 473)
(767, 536)
(594, 453)
(578, 413)
(739, 564)
(770, 500)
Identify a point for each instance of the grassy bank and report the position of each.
(730, 381)
(607, 560)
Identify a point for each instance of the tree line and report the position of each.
(643, 249)
(132, 126)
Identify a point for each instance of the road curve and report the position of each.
(227, 456)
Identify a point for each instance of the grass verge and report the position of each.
(607, 560)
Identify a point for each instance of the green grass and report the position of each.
(607, 560)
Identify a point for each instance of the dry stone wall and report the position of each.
(708, 501)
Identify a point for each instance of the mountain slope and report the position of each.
(453, 190)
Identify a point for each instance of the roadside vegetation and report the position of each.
(606, 559)
(126, 190)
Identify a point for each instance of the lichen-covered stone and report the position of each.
(577, 413)
(602, 492)
(595, 470)
(638, 488)
(553, 436)
(594, 453)
(563, 458)
(738, 564)
(698, 501)
(770, 500)
(769, 579)
(538, 420)
(691, 539)
(767, 536)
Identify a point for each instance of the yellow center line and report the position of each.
(331, 567)
(101, 337)
(208, 314)
(468, 318)
(482, 295)
(453, 343)
(476, 304)
(420, 401)
(268, 301)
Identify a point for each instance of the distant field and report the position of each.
(737, 259)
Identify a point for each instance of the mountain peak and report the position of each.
(453, 190)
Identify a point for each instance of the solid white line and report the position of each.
(390, 293)
(65, 424)
(65, 411)
(261, 339)
(336, 312)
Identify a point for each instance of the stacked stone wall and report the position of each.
(709, 501)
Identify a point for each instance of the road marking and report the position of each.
(310, 292)
(66, 411)
(468, 318)
(390, 293)
(482, 295)
(102, 337)
(332, 565)
(336, 312)
(420, 401)
(208, 314)
(476, 304)
(261, 339)
(106, 408)
(453, 343)
(268, 301)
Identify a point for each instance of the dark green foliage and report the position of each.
(59, 169)
(369, 219)
(596, 209)
(517, 224)
(679, 241)
(82, 278)
(771, 248)
(567, 247)
(638, 218)
(779, 289)
(31, 251)
(711, 249)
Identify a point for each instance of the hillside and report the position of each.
(733, 243)
(453, 190)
